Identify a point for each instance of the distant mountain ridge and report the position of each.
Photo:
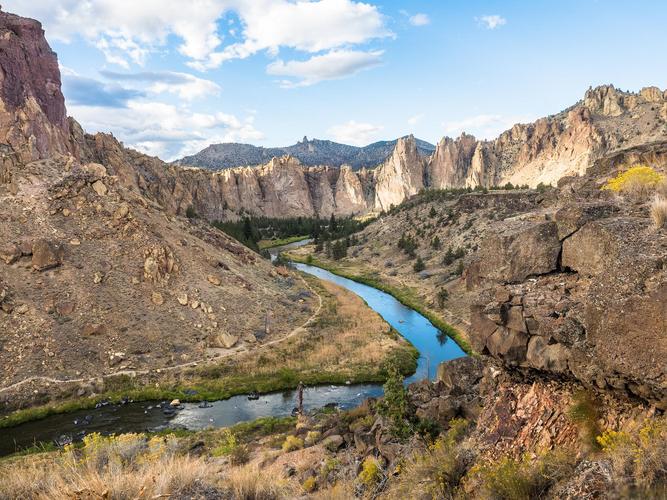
(308, 152)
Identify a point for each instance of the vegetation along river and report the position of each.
(434, 347)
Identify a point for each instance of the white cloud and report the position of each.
(331, 65)
(492, 21)
(186, 86)
(482, 126)
(355, 133)
(166, 130)
(420, 20)
(127, 31)
(413, 120)
(312, 26)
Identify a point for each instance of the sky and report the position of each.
(169, 77)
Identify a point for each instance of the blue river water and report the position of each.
(433, 346)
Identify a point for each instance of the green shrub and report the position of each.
(309, 484)
(395, 404)
(312, 437)
(443, 296)
(292, 443)
(524, 479)
(190, 212)
(419, 265)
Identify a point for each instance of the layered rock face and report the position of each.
(581, 294)
(606, 121)
(32, 114)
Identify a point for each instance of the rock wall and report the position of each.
(32, 109)
(582, 295)
(33, 124)
(606, 121)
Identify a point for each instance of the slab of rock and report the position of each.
(571, 218)
(460, 375)
(100, 188)
(46, 255)
(519, 250)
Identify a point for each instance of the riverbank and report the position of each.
(404, 296)
(347, 342)
(266, 244)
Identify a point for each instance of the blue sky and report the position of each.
(169, 77)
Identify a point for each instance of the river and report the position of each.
(433, 347)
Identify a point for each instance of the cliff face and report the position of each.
(34, 125)
(604, 122)
(32, 112)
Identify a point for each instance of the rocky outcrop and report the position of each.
(33, 120)
(400, 176)
(582, 296)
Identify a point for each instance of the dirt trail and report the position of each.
(232, 352)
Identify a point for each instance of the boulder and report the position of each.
(544, 356)
(93, 329)
(510, 345)
(95, 169)
(572, 217)
(519, 250)
(10, 253)
(460, 375)
(46, 255)
(214, 280)
(100, 188)
(225, 340)
(122, 211)
(333, 443)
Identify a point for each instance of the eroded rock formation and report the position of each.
(581, 295)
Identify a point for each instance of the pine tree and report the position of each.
(419, 265)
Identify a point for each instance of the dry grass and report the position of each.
(132, 466)
(252, 483)
(639, 460)
(659, 211)
(128, 466)
(347, 336)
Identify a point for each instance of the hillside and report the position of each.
(105, 290)
(309, 152)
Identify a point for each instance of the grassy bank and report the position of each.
(348, 342)
(264, 244)
(405, 297)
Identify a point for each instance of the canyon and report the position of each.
(113, 282)
(605, 121)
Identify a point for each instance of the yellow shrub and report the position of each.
(637, 180)
(609, 439)
(292, 443)
(312, 437)
(309, 484)
(371, 473)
